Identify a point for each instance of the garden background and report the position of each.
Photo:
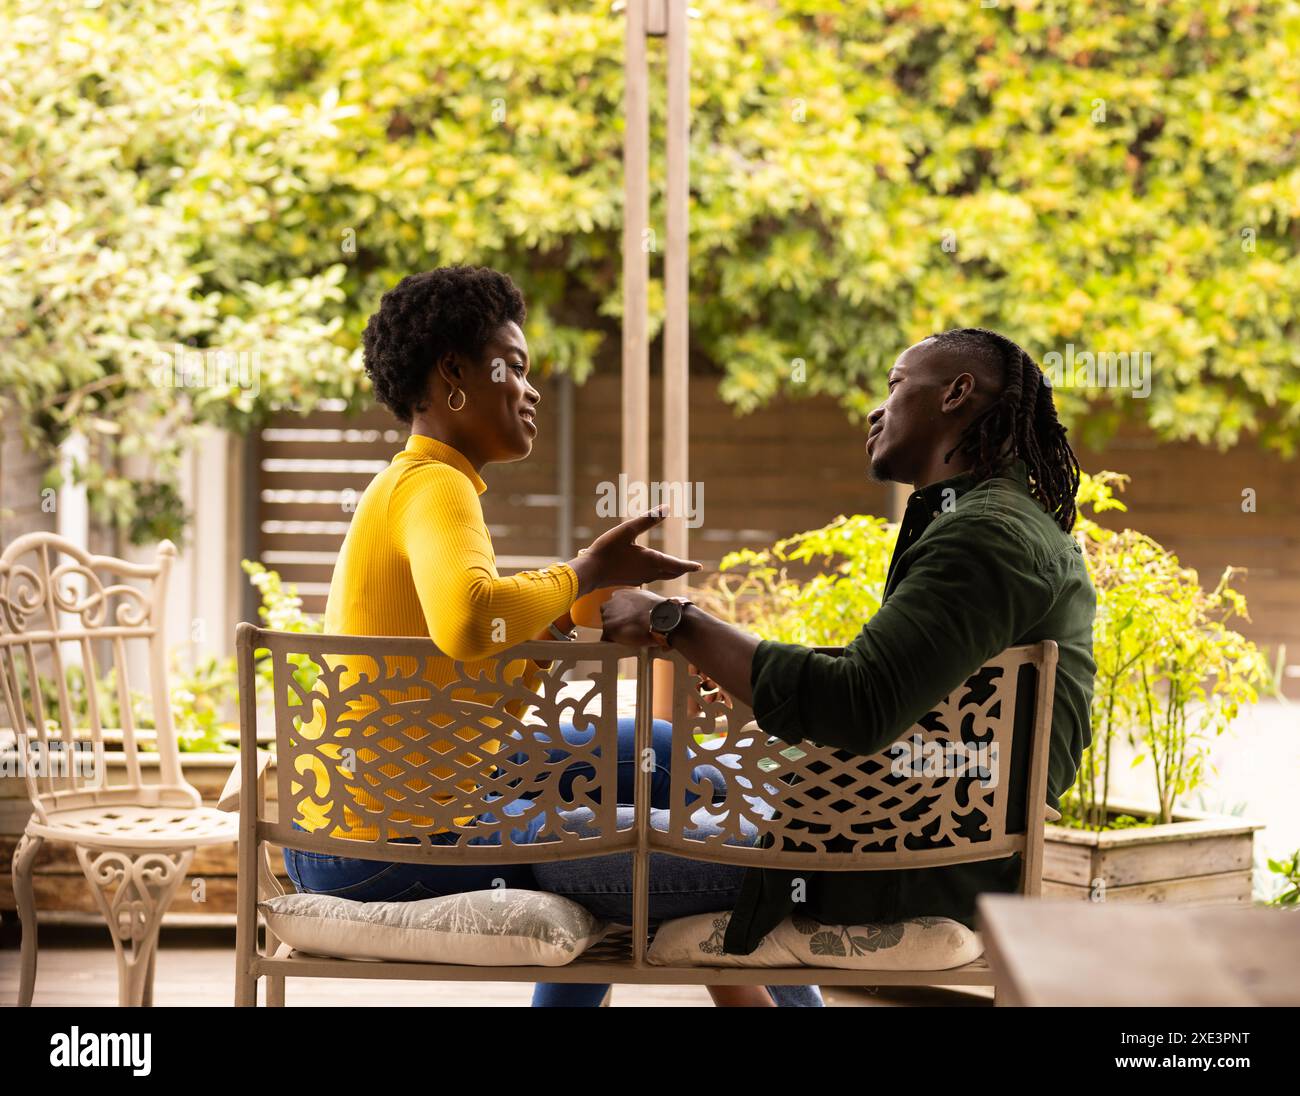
(241, 184)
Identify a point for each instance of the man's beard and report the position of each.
(877, 472)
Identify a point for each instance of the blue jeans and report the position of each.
(678, 886)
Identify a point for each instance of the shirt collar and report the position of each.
(963, 481)
(432, 449)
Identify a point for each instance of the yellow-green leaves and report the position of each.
(1123, 178)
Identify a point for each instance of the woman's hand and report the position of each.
(615, 559)
(710, 691)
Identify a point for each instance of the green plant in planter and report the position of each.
(1171, 675)
(281, 611)
(1289, 870)
(74, 678)
(755, 590)
(201, 700)
(1119, 632)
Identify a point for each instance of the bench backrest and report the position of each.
(383, 745)
(388, 734)
(939, 794)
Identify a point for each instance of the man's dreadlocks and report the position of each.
(1021, 422)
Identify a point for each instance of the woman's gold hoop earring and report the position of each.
(463, 399)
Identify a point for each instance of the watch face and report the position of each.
(665, 616)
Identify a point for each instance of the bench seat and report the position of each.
(803, 807)
(612, 961)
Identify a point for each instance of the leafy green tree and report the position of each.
(1112, 177)
(142, 208)
(1116, 177)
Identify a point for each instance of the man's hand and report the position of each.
(625, 617)
(723, 654)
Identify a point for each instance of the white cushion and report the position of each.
(490, 928)
(922, 943)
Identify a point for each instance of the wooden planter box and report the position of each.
(1196, 860)
(62, 893)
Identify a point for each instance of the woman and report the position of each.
(446, 354)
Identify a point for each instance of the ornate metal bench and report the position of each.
(413, 746)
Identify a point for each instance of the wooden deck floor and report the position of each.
(196, 968)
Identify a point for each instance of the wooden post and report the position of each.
(636, 259)
(564, 466)
(636, 253)
(676, 366)
(645, 669)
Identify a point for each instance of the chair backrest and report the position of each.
(940, 794)
(383, 744)
(62, 608)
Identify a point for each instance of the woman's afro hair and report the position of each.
(453, 309)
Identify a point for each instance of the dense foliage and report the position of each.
(247, 177)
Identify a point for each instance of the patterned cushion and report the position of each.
(922, 943)
(491, 928)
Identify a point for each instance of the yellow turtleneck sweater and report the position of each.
(418, 561)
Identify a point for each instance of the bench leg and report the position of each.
(147, 1001)
(274, 982)
(245, 986)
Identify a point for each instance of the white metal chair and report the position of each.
(135, 839)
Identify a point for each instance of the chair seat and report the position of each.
(128, 826)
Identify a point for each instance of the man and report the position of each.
(984, 561)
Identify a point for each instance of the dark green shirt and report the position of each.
(979, 566)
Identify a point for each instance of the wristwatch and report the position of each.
(666, 617)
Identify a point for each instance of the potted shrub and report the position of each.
(1171, 677)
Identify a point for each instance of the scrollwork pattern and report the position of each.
(133, 888)
(73, 586)
(821, 799)
(409, 745)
